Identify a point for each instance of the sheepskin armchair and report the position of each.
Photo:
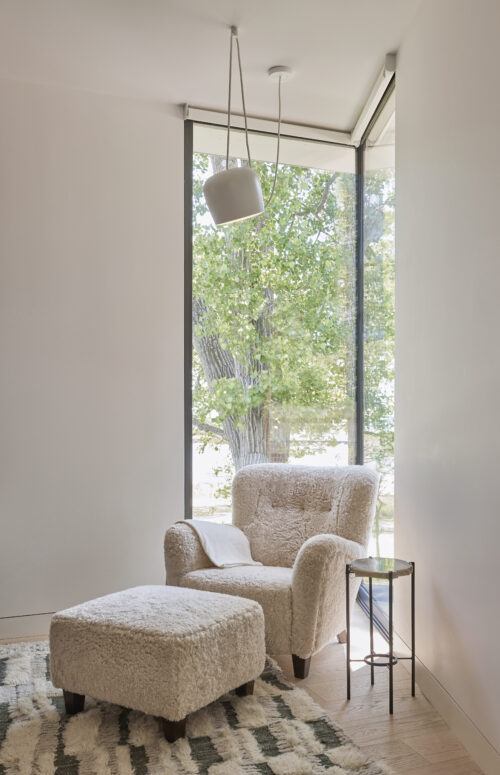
(304, 524)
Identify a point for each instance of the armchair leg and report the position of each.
(245, 690)
(301, 666)
(173, 730)
(73, 703)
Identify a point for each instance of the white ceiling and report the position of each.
(177, 50)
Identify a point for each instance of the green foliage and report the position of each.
(274, 300)
(379, 318)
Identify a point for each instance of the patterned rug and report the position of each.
(277, 731)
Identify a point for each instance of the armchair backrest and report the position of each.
(280, 506)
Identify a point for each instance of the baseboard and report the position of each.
(478, 746)
(22, 627)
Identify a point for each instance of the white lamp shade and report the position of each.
(233, 195)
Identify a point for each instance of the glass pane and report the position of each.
(379, 212)
(273, 320)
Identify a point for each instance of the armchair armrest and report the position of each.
(318, 591)
(183, 553)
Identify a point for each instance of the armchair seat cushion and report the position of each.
(271, 586)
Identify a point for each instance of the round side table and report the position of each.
(380, 568)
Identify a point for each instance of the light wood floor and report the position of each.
(414, 741)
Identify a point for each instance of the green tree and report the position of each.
(274, 319)
(379, 337)
(379, 315)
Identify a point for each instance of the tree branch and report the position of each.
(326, 191)
(207, 428)
(319, 208)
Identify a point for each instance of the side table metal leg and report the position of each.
(413, 630)
(348, 628)
(370, 587)
(390, 645)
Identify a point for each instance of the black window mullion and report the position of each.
(360, 195)
(188, 318)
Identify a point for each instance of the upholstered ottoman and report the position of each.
(167, 651)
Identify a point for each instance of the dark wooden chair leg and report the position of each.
(245, 689)
(73, 702)
(173, 730)
(301, 666)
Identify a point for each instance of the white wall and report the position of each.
(447, 355)
(91, 345)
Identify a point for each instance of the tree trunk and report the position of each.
(255, 438)
(247, 438)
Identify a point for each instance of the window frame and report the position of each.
(360, 152)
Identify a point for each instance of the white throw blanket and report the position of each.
(226, 546)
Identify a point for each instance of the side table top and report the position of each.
(380, 567)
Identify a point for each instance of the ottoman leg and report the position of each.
(301, 666)
(73, 702)
(173, 730)
(245, 689)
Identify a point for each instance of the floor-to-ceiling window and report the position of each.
(274, 305)
(378, 303)
(273, 317)
(378, 192)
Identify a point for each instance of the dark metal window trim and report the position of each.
(188, 288)
(188, 319)
(360, 324)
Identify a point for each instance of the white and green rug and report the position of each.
(277, 731)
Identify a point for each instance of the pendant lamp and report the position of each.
(235, 193)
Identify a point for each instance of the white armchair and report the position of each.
(304, 524)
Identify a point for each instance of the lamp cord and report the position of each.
(243, 100)
(229, 98)
(234, 34)
(277, 147)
